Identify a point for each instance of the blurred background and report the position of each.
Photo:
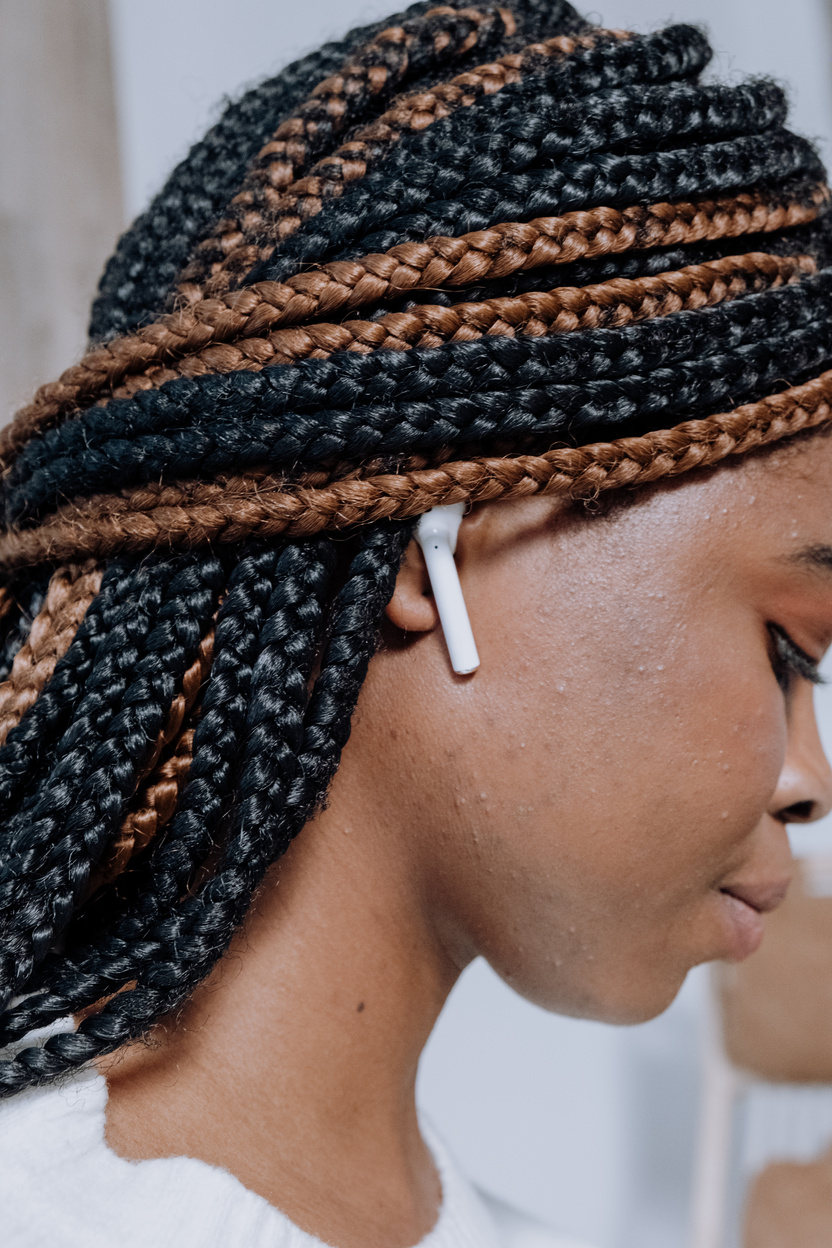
(592, 1128)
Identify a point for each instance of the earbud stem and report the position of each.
(436, 534)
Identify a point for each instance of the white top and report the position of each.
(61, 1186)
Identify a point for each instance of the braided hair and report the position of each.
(479, 251)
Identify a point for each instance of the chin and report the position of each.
(631, 1013)
(638, 999)
(655, 997)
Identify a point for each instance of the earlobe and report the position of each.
(412, 607)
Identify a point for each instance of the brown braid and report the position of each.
(194, 513)
(264, 219)
(7, 602)
(565, 309)
(158, 799)
(70, 592)
(442, 261)
(165, 772)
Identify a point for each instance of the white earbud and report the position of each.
(436, 533)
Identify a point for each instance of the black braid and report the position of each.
(556, 130)
(571, 185)
(347, 223)
(196, 826)
(358, 611)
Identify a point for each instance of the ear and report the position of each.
(412, 608)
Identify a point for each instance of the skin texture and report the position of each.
(599, 808)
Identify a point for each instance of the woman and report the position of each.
(486, 255)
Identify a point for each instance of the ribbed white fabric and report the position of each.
(61, 1186)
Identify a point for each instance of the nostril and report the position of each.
(798, 812)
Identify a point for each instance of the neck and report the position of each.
(294, 1066)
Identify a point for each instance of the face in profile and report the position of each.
(603, 805)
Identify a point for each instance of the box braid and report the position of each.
(69, 594)
(165, 771)
(19, 608)
(536, 385)
(480, 251)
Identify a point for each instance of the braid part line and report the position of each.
(201, 512)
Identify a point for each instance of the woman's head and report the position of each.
(486, 254)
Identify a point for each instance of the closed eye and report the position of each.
(789, 660)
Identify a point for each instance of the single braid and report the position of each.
(352, 643)
(158, 802)
(8, 612)
(165, 770)
(21, 606)
(70, 592)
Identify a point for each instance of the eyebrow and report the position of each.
(818, 558)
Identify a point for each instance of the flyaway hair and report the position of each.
(474, 252)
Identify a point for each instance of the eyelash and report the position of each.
(788, 660)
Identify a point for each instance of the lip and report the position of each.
(743, 907)
(760, 897)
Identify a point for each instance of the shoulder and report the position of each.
(518, 1230)
(60, 1183)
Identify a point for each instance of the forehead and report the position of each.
(762, 524)
(780, 498)
(788, 488)
(768, 511)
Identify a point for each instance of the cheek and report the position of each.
(601, 802)
(630, 748)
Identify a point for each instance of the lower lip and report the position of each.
(744, 928)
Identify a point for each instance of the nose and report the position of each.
(804, 789)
